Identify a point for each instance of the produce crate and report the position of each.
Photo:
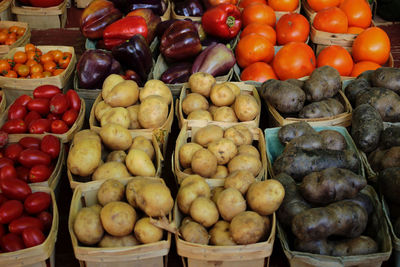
(167, 13)
(395, 238)
(152, 254)
(279, 14)
(5, 10)
(22, 41)
(15, 87)
(3, 102)
(75, 180)
(161, 133)
(82, 3)
(89, 95)
(41, 255)
(185, 137)
(377, 229)
(244, 89)
(176, 16)
(64, 138)
(41, 18)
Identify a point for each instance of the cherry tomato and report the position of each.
(31, 116)
(32, 237)
(11, 242)
(59, 127)
(46, 91)
(40, 105)
(12, 151)
(2, 199)
(70, 117)
(15, 189)
(74, 100)
(39, 173)
(59, 104)
(30, 142)
(50, 145)
(8, 172)
(16, 112)
(53, 117)
(23, 100)
(10, 210)
(23, 173)
(18, 225)
(14, 126)
(37, 202)
(40, 126)
(31, 157)
(5, 162)
(46, 218)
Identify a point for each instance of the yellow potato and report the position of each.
(191, 188)
(133, 116)
(87, 226)
(230, 202)
(245, 162)
(194, 232)
(222, 172)
(111, 81)
(212, 109)
(156, 87)
(118, 115)
(153, 112)
(265, 197)
(118, 218)
(139, 163)
(222, 95)
(155, 199)
(111, 169)
(201, 83)
(118, 155)
(110, 241)
(124, 94)
(220, 234)
(235, 89)
(204, 211)
(208, 134)
(186, 153)
(115, 136)
(225, 114)
(100, 109)
(250, 150)
(144, 144)
(224, 149)
(194, 101)
(147, 233)
(111, 190)
(204, 163)
(215, 192)
(188, 171)
(200, 115)
(240, 135)
(241, 180)
(247, 227)
(246, 107)
(134, 186)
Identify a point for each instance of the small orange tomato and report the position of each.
(37, 75)
(23, 70)
(46, 74)
(10, 41)
(30, 62)
(37, 68)
(259, 72)
(11, 74)
(21, 31)
(4, 66)
(13, 29)
(3, 37)
(49, 66)
(57, 72)
(57, 54)
(64, 62)
(46, 58)
(30, 47)
(16, 66)
(20, 57)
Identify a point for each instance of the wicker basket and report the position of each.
(5, 10)
(22, 41)
(3, 103)
(176, 16)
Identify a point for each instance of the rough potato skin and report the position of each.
(354, 87)
(342, 218)
(386, 77)
(299, 162)
(391, 158)
(330, 185)
(293, 203)
(284, 96)
(389, 181)
(324, 82)
(366, 75)
(333, 140)
(365, 201)
(375, 159)
(306, 142)
(321, 247)
(390, 137)
(366, 127)
(321, 109)
(293, 130)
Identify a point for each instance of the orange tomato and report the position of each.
(30, 47)
(57, 54)
(362, 66)
(372, 44)
(294, 60)
(31, 62)
(23, 70)
(20, 57)
(4, 66)
(67, 54)
(37, 75)
(46, 73)
(46, 58)
(336, 57)
(253, 48)
(37, 68)
(354, 30)
(245, 3)
(13, 29)
(11, 74)
(318, 5)
(259, 13)
(3, 37)
(50, 66)
(283, 5)
(21, 31)
(33, 55)
(12, 35)
(10, 41)
(292, 27)
(261, 29)
(331, 19)
(358, 13)
(16, 66)
(259, 72)
(57, 71)
(64, 62)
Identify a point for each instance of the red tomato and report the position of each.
(39, 173)
(14, 126)
(37, 202)
(53, 117)
(50, 145)
(2, 199)
(40, 105)
(14, 188)
(5, 162)
(23, 100)
(11, 242)
(8, 172)
(46, 91)
(59, 127)
(32, 116)
(23, 173)
(16, 112)
(12, 151)
(70, 117)
(292, 27)
(59, 104)
(33, 237)
(46, 218)
(31, 157)
(30, 142)
(336, 57)
(10, 210)
(40, 126)
(18, 225)
(74, 100)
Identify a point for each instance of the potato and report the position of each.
(134, 186)
(108, 84)
(123, 94)
(245, 162)
(186, 153)
(118, 218)
(201, 83)
(387, 78)
(204, 163)
(156, 87)
(246, 107)
(322, 247)
(200, 115)
(391, 158)
(267, 225)
(87, 226)
(139, 163)
(390, 137)
(153, 112)
(239, 134)
(324, 82)
(375, 159)
(116, 115)
(241, 180)
(230, 202)
(224, 150)
(321, 109)
(144, 144)
(225, 114)
(118, 155)
(204, 211)
(133, 116)
(100, 109)
(247, 228)
(296, 82)
(389, 182)
(354, 87)
(146, 232)
(111, 190)
(110, 241)
(212, 109)
(191, 188)
(235, 89)
(222, 172)
(208, 134)
(333, 140)
(96, 207)
(249, 149)
(112, 169)
(194, 232)
(306, 142)
(115, 137)
(155, 199)
(189, 171)
(215, 192)
(222, 95)
(220, 234)
(194, 101)
(265, 197)
(362, 245)
(293, 130)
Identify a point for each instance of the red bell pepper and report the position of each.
(222, 21)
(123, 29)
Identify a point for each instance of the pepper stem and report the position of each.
(230, 21)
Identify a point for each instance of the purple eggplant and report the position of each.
(216, 60)
(189, 8)
(177, 73)
(157, 6)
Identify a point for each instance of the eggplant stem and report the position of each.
(230, 21)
